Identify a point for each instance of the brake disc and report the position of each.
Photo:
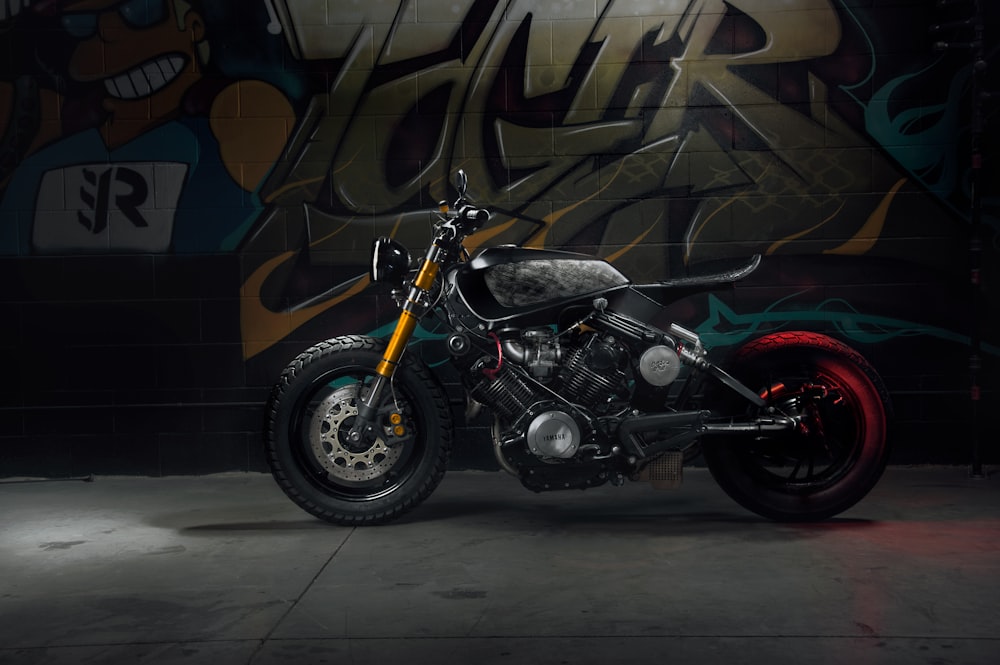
(327, 436)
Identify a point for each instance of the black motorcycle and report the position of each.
(582, 390)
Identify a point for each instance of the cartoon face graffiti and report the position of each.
(145, 53)
(143, 139)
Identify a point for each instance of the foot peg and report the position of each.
(666, 472)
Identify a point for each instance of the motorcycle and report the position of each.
(582, 390)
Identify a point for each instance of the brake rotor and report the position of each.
(328, 438)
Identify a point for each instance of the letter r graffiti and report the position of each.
(98, 203)
(96, 194)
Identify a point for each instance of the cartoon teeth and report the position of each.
(145, 79)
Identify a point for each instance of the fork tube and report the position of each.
(407, 323)
(408, 319)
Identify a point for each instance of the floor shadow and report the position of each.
(614, 519)
(231, 527)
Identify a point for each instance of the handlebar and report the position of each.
(464, 222)
(477, 215)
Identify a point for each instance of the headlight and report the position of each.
(390, 261)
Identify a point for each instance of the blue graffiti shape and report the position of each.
(920, 138)
(724, 327)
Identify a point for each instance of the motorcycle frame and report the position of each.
(453, 226)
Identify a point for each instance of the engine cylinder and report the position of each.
(507, 394)
(583, 384)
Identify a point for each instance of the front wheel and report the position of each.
(839, 447)
(312, 409)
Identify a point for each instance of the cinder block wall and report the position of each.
(190, 189)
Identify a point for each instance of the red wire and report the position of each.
(492, 373)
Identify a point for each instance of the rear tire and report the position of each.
(311, 409)
(838, 452)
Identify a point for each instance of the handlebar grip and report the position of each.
(478, 215)
(464, 221)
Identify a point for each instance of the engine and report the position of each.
(541, 377)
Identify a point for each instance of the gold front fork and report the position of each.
(408, 319)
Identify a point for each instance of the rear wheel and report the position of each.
(837, 451)
(313, 408)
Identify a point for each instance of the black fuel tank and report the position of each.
(508, 282)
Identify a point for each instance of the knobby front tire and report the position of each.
(310, 411)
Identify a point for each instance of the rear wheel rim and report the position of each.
(824, 446)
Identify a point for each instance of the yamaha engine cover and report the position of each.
(554, 434)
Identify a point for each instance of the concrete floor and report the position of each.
(224, 569)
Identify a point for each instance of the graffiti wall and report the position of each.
(190, 190)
